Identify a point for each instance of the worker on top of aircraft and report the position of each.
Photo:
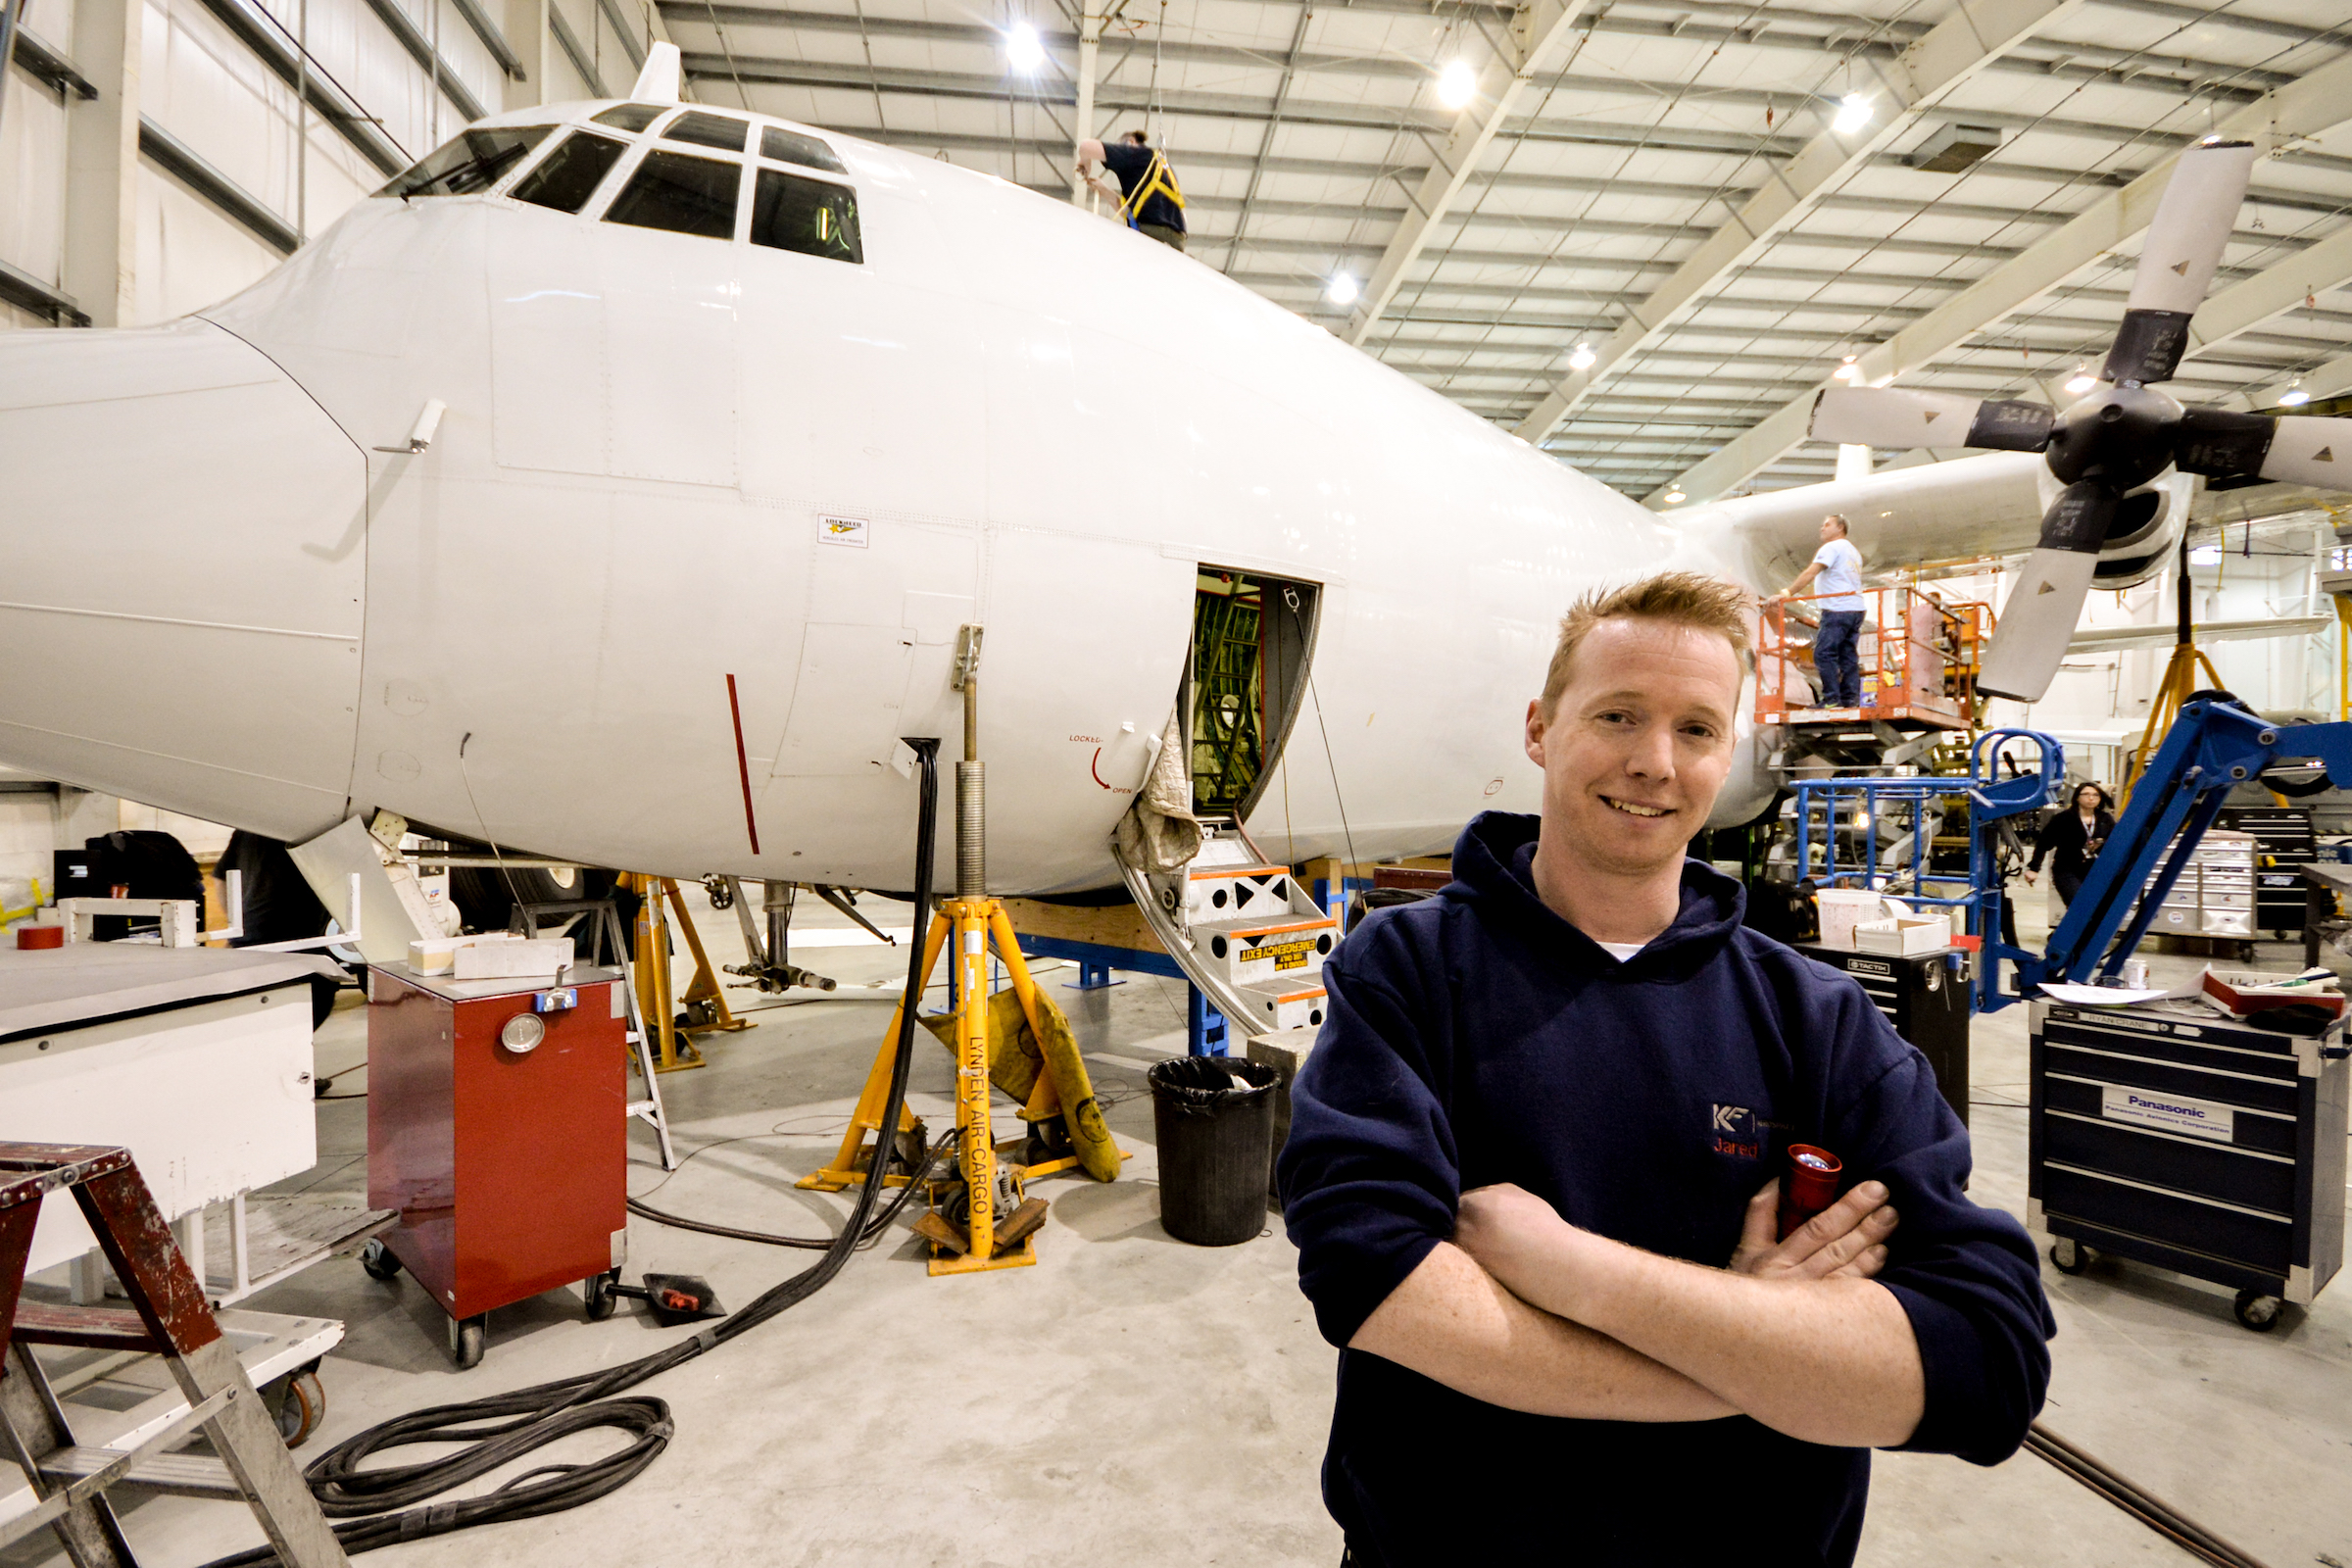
(1149, 200)
(1532, 1175)
(1838, 566)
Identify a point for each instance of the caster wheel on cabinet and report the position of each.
(598, 1288)
(379, 1262)
(2068, 1256)
(469, 1337)
(2258, 1311)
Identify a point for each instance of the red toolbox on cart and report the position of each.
(497, 1129)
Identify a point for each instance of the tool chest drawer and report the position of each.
(2174, 1136)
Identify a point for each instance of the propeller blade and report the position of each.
(2039, 617)
(2192, 223)
(1901, 418)
(2310, 450)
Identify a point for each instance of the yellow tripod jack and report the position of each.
(997, 1218)
(990, 1224)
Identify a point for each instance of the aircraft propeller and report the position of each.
(2118, 435)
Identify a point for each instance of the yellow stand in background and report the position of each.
(998, 1224)
(704, 998)
(655, 1003)
(2180, 681)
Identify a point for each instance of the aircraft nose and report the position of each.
(184, 552)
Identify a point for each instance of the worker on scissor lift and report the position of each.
(1149, 198)
(1838, 566)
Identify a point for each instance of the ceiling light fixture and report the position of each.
(1848, 372)
(2081, 381)
(1023, 51)
(1853, 113)
(1458, 85)
(1583, 358)
(1673, 495)
(1342, 290)
(2294, 397)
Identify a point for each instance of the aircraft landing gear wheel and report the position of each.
(469, 1337)
(2068, 1256)
(2258, 1311)
(598, 1288)
(377, 1260)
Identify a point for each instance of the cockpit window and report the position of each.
(790, 147)
(683, 194)
(808, 215)
(567, 176)
(709, 130)
(630, 117)
(475, 161)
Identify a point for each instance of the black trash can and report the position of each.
(1214, 1116)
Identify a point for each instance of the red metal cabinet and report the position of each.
(508, 1166)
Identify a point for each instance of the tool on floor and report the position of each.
(673, 1298)
(168, 1316)
(983, 1221)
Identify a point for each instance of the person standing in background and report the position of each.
(1838, 566)
(2073, 838)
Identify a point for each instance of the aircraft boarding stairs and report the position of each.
(1250, 939)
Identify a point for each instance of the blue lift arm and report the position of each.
(2212, 748)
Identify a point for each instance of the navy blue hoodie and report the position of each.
(1475, 1038)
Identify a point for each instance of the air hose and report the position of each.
(382, 1507)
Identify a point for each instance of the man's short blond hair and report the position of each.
(1677, 597)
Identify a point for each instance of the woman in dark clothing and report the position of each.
(2073, 838)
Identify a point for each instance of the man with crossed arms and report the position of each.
(1532, 1175)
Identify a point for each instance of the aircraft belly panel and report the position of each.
(846, 707)
(166, 548)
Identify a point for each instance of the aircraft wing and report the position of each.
(2109, 639)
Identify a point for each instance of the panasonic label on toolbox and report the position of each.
(2198, 1118)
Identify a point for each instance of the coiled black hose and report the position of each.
(380, 1506)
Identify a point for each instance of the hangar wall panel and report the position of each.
(32, 171)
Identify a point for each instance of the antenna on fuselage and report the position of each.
(659, 81)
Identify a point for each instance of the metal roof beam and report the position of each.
(2312, 105)
(1538, 29)
(1942, 60)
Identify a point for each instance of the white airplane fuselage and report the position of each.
(668, 460)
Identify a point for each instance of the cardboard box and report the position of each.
(1904, 935)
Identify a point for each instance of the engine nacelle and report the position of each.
(2146, 530)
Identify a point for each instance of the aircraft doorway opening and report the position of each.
(1252, 636)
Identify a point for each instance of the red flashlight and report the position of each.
(1810, 1186)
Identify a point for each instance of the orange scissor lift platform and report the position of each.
(1919, 654)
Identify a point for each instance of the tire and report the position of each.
(485, 896)
(2068, 1256)
(2258, 1311)
(597, 1288)
(379, 1262)
(468, 1338)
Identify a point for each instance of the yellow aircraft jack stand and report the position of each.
(657, 1003)
(989, 1239)
(2179, 684)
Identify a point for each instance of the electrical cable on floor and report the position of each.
(873, 1231)
(502, 1428)
(2143, 1504)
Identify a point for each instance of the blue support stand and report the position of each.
(1093, 976)
(1203, 1025)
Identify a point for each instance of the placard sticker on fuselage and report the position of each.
(849, 531)
(2172, 1113)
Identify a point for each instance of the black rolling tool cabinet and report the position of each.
(2171, 1135)
(1924, 996)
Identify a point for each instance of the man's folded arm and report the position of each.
(1453, 1322)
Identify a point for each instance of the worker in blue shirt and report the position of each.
(1532, 1175)
(1838, 566)
(1148, 201)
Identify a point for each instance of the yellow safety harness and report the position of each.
(1159, 179)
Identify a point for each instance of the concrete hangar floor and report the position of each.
(1134, 1399)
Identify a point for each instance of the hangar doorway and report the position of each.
(1243, 683)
